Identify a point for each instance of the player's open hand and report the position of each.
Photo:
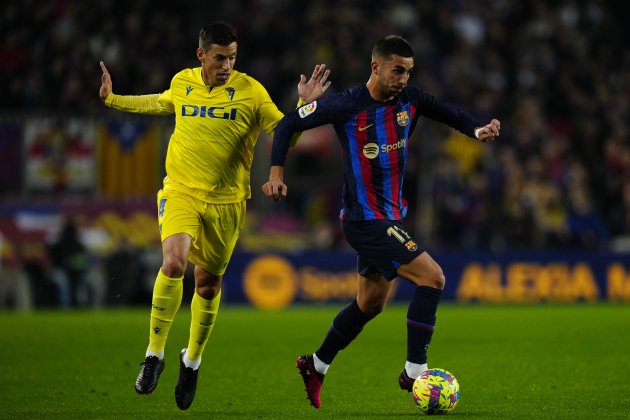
(275, 189)
(316, 86)
(106, 83)
(489, 131)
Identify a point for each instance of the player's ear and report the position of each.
(201, 54)
(375, 67)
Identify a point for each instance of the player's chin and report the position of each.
(222, 78)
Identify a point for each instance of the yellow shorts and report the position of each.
(214, 228)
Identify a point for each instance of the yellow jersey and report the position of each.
(211, 150)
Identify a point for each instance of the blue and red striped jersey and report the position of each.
(374, 137)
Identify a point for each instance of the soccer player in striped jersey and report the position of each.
(219, 113)
(373, 123)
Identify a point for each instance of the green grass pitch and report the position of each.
(523, 361)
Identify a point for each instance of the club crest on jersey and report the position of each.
(411, 246)
(307, 109)
(188, 90)
(230, 93)
(402, 118)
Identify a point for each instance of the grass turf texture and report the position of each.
(511, 362)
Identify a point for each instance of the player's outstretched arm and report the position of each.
(488, 131)
(106, 83)
(316, 85)
(153, 104)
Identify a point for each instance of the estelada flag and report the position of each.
(129, 158)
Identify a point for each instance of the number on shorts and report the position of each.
(398, 233)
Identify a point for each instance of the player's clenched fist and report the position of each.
(275, 189)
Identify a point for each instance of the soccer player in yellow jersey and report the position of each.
(219, 113)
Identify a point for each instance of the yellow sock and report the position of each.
(204, 313)
(167, 296)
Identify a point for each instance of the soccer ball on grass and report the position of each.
(436, 391)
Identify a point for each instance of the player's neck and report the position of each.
(208, 82)
(204, 77)
(375, 92)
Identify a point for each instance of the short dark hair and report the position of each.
(219, 33)
(392, 45)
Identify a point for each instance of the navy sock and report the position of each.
(421, 322)
(345, 327)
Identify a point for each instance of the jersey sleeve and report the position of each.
(446, 113)
(315, 114)
(154, 104)
(268, 113)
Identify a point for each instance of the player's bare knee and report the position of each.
(374, 310)
(437, 279)
(372, 307)
(173, 267)
(207, 285)
(432, 278)
(208, 291)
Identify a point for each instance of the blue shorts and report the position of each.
(382, 246)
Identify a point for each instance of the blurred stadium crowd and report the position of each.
(557, 74)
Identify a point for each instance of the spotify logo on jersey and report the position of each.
(370, 150)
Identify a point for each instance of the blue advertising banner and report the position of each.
(274, 281)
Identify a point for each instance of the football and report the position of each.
(436, 391)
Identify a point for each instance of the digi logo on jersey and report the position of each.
(208, 112)
(371, 150)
